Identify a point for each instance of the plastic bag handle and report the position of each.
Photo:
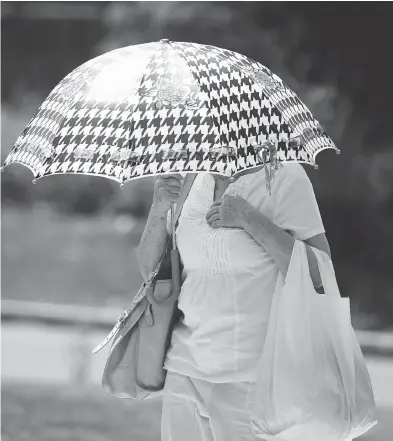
(325, 266)
(327, 273)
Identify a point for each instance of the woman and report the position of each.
(233, 239)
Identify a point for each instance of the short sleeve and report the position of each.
(296, 208)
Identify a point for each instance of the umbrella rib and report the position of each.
(197, 80)
(208, 103)
(130, 135)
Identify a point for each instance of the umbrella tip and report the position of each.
(338, 151)
(34, 181)
(2, 168)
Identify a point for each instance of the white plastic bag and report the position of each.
(313, 383)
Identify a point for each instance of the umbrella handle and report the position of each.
(175, 264)
(174, 247)
(175, 257)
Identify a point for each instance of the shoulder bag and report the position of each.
(142, 334)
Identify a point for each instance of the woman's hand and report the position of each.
(226, 212)
(167, 189)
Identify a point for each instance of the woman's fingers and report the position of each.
(213, 219)
(171, 190)
(213, 214)
(174, 175)
(168, 187)
(213, 210)
(171, 181)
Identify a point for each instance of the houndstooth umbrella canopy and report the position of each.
(167, 107)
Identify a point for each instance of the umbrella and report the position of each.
(168, 107)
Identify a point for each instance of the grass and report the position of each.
(64, 260)
(53, 413)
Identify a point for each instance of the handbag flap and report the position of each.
(131, 321)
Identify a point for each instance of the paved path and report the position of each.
(58, 354)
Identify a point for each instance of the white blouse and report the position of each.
(229, 279)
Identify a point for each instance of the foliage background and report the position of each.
(70, 239)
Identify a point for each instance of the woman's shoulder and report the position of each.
(289, 173)
(291, 170)
(286, 171)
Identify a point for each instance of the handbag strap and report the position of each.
(187, 184)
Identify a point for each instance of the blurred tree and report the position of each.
(15, 191)
(293, 41)
(338, 60)
(44, 41)
(134, 199)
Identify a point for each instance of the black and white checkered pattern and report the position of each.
(167, 107)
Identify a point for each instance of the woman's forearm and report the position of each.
(154, 238)
(275, 241)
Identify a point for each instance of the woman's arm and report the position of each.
(155, 235)
(153, 240)
(236, 212)
(279, 243)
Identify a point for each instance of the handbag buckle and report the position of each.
(150, 278)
